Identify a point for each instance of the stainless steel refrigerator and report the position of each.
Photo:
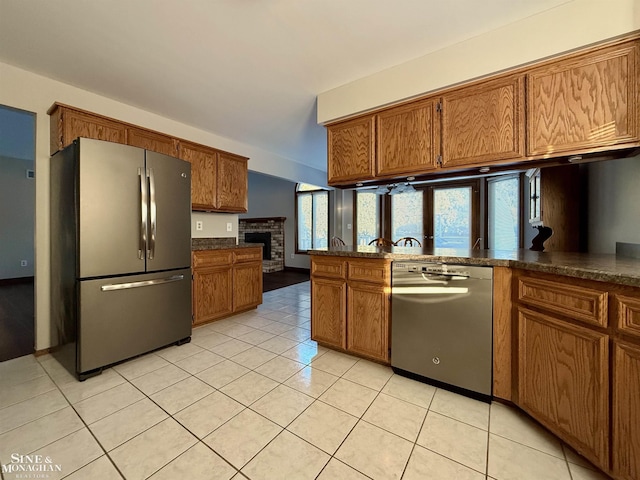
(120, 253)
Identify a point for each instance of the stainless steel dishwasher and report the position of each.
(442, 325)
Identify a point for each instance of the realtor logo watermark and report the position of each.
(30, 466)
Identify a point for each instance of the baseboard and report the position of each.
(297, 269)
(44, 351)
(15, 281)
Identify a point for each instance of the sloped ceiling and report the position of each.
(249, 70)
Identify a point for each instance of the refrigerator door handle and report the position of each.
(145, 283)
(142, 246)
(154, 213)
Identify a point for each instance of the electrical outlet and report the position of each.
(199, 225)
(229, 227)
(348, 226)
(23, 263)
(293, 255)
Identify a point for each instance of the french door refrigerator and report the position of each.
(120, 253)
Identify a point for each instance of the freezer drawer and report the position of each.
(121, 317)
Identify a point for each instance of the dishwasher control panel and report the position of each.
(430, 268)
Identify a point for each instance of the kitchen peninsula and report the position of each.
(566, 334)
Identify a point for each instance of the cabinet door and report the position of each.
(212, 293)
(203, 175)
(150, 140)
(232, 184)
(351, 150)
(408, 139)
(328, 311)
(564, 381)
(368, 320)
(483, 123)
(626, 411)
(589, 101)
(68, 124)
(247, 286)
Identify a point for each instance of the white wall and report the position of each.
(35, 93)
(214, 225)
(614, 204)
(17, 198)
(566, 27)
(275, 197)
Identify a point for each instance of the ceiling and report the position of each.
(249, 70)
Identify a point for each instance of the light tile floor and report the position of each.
(253, 397)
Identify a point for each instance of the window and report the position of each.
(504, 212)
(407, 215)
(312, 217)
(367, 217)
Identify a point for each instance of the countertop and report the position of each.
(219, 244)
(599, 267)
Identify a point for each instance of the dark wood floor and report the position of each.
(272, 281)
(16, 319)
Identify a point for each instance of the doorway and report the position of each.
(17, 218)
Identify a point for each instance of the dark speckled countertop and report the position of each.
(600, 267)
(219, 244)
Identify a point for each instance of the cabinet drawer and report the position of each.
(578, 303)
(212, 258)
(628, 315)
(328, 267)
(247, 255)
(371, 271)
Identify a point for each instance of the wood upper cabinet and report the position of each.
(626, 411)
(219, 180)
(585, 102)
(408, 138)
(150, 140)
(203, 175)
(351, 150)
(563, 379)
(483, 123)
(67, 124)
(232, 183)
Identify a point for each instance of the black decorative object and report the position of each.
(537, 244)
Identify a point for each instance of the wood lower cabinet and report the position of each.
(351, 150)
(564, 381)
(484, 123)
(222, 286)
(408, 139)
(368, 320)
(626, 411)
(585, 102)
(350, 305)
(247, 279)
(329, 311)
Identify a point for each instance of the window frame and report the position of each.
(298, 193)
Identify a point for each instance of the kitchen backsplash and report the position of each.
(214, 225)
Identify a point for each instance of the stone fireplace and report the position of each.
(262, 226)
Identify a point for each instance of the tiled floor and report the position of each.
(253, 397)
